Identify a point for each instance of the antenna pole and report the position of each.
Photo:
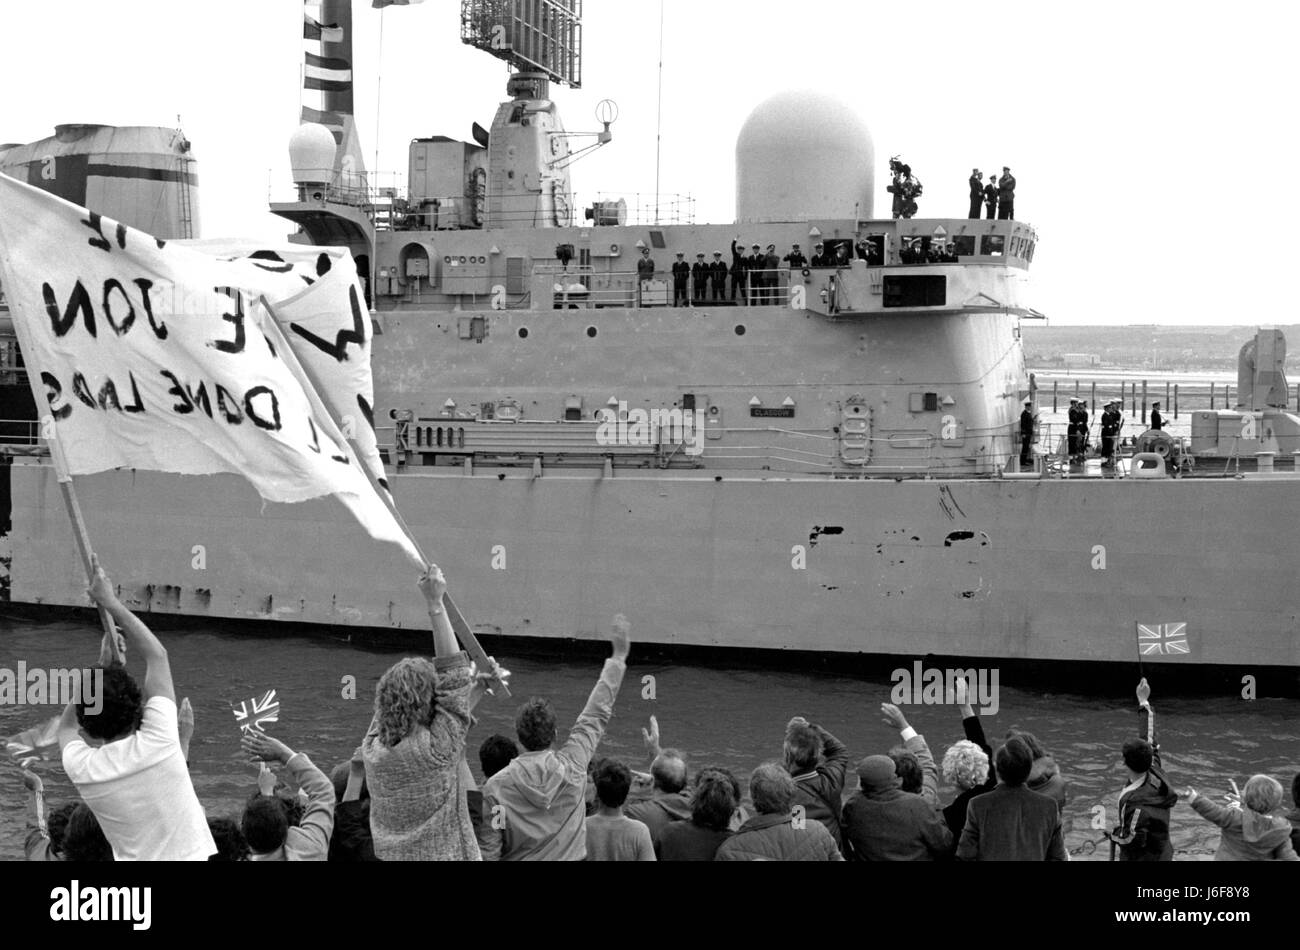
(659, 122)
(379, 88)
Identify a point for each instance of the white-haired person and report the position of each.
(1252, 832)
(968, 764)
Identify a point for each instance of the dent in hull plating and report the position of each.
(985, 568)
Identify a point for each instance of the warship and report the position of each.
(825, 460)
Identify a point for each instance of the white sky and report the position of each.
(1154, 142)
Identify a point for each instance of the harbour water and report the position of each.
(719, 715)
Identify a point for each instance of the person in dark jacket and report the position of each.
(1011, 823)
(991, 197)
(714, 801)
(1027, 434)
(494, 754)
(771, 275)
(795, 258)
(739, 270)
(1006, 195)
(756, 265)
(718, 278)
(968, 764)
(1045, 777)
(681, 279)
(776, 833)
(350, 839)
(819, 258)
(1146, 801)
(1083, 429)
(670, 801)
(1072, 430)
(976, 193)
(1112, 421)
(819, 763)
(700, 273)
(1157, 420)
(884, 823)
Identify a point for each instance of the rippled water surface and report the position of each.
(733, 718)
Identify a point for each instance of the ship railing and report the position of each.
(474, 211)
(580, 287)
(22, 437)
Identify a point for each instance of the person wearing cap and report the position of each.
(645, 271)
(1112, 421)
(795, 258)
(1006, 195)
(884, 823)
(1027, 434)
(771, 270)
(700, 272)
(739, 272)
(819, 256)
(991, 197)
(976, 193)
(1073, 430)
(718, 277)
(681, 275)
(1084, 425)
(757, 264)
(1157, 420)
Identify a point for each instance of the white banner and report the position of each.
(152, 356)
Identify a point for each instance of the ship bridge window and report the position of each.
(920, 290)
(965, 245)
(657, 239)
(993, 245)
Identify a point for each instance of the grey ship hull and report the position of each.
(1003, 569)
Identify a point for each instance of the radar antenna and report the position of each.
(540, 39)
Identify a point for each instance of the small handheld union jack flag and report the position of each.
(253, 713)
(1163, 641)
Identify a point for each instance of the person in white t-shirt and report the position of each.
(127, 760)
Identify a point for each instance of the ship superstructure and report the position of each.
(825, 461)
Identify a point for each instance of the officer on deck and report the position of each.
(976, 193)
(991, 197)
(1073, 433)
(1157, 420)
(739, 270)
(718, 277)
(757, 266)
(819, 256)
(681, 275)
(1111, 423)
(700, 272)
(1006, 195)
(1027, 434)
(795, 259)
(645, 268)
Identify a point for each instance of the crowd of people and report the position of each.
(998, 197)
(408, 794)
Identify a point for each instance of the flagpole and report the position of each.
(458, 622)
(60, 462)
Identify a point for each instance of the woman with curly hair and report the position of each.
(968, 765)
(415, 747)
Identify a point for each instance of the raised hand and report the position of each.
(961, 691)
(432, 584)
(263, 748)
(101, 588)
(893, 716)
(496, 676)
(1143, 692)
(31, 781)
(621, 637)
(651, 737)
(266, 781)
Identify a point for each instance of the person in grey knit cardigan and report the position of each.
(415, 747)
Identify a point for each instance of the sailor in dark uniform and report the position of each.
(739, 268)
(681, 275)
(795, 259)
(1111, 423)
(645, 270)
(772, 268)
(991, 197)
(1027, 434)
(757, 266)
(1083, 430)
(1157, 420)
(699, 278)
(819, 256)
(718, 277)
(1006, 195)
(1073, 430)
(976, 193)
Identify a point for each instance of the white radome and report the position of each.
(804, 154)
(311, 154)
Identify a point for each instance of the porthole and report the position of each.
(591, 332)
(740, 329)
(523, 333)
